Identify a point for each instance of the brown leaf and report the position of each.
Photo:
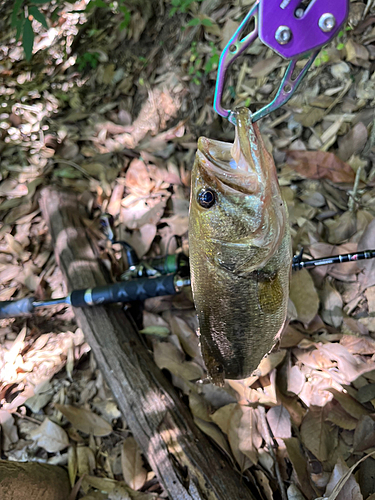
(338, 416)
(353, 142)
(296, 379)
(265, 66)
(279, 420)
(85, 420)
(299, 463)
(227, 31)
(85, 460)
(350, 405)
(269, 362)
(135, 474)
(167, 356)
(319, 436)
(8, 430)
(240, 425)
(364, 434)
(142, 238)
(350, 490)
(214, 433)
(350, 366)
(366, 478)
(332, 313)
(358, 345)
(367, 241)
(355, 53)
(304, 296)
(50, 436)
(199, 407)
(320, 165)
(188, 338)
(138, 178)
(366, 393)
(178, 224)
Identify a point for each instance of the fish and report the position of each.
(240, 251)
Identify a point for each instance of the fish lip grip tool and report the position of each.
(291, 28)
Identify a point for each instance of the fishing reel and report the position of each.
(177, 263)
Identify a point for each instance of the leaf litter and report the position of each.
(123, 136)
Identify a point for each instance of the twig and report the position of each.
(267, 437)
(26, 417)
(352, 194)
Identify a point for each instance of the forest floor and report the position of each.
(114, 114)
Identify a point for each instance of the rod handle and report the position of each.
(14, 308)
(125, 291)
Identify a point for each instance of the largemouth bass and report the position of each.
(240, 251)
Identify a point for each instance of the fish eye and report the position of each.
(206, 198)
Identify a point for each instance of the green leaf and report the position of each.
(19, 26)
(28, 39)
(16, 8)
(96, 3)
(41, 1)
(207, 22)
(194, 22)
(35, 12)
(160, 331)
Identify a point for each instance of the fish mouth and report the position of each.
(238, 165)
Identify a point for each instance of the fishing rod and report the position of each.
(298, 263)
(172, 275)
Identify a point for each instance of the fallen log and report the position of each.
(185, 462)
(33, 481)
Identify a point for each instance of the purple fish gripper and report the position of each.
(289, 27)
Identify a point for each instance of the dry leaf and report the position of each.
(264, 484)
(332, 304)
(353, 142)
(240, 425)
(199, 407)
(269, 362)
(340, 484)
(168, 356)
(50, 436)
(351, 490)
(338, 416)
(279, 421)
(320, 165)
(366, 478)
(188, 338)
(265, 66)
(294, 493)
(358, 345)
(85, 420)
(304, 296)
(86, 463)
(366, 393)
(367, 241)
(9, 431)
(318, 435)
(214, 433)
(299, 463)
(350, 405)
(72, 465)
(135, 474)
(364, 434)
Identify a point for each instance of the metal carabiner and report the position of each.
(291, 28)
